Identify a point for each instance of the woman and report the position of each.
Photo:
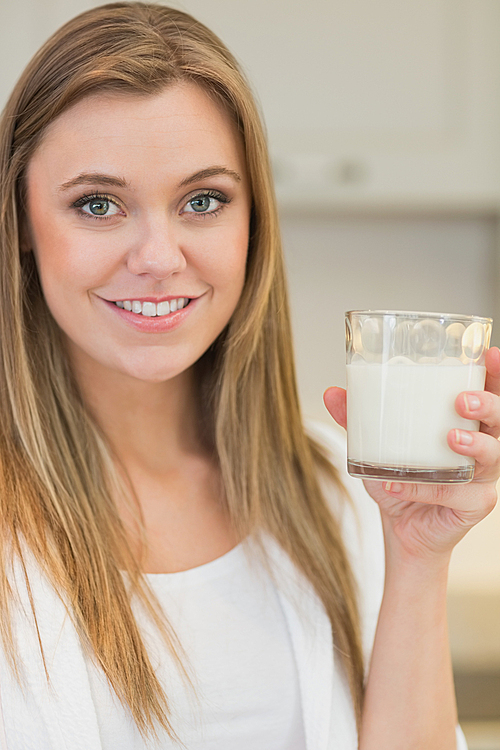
(180, 564)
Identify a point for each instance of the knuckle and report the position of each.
(489, 405)
(412, 492)
(492, 401)
(490, 412)
(441, 492)
(420, 493)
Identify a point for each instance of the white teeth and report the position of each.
(150, 309)
(163, 308)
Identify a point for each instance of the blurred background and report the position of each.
(384, 127)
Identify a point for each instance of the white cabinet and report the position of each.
(368, 103)
(374, 103)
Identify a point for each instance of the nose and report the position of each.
(157, 252)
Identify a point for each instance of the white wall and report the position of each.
(440, 264)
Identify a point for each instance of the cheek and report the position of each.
(67, 257)
(50, 248)
(68, 264)
(225, 260)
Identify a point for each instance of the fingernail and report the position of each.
(463, 438)
(393, 486)
(471, 402)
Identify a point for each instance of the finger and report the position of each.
(473, 501)
(481, 447)
(492, 362)
(336, 403)
(483, 406)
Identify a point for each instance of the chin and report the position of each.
(151, 369)
(150, 374)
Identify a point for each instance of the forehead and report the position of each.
(182, 124)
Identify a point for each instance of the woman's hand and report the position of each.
(424, 520)
(409, 697)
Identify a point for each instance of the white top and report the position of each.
(229, 620)
(64, 716)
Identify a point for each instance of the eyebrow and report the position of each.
(210, 172)
(86, 178)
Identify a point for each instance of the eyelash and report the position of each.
(215, 194)
(84, 199)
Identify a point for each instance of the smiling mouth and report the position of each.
(152, 309)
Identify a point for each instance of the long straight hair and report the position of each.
(56, 469)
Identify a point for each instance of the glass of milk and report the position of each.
(404, 373)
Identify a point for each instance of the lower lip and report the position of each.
(153, 324)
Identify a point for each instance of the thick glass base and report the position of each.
(410, 474)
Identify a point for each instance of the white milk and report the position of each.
(400, 414)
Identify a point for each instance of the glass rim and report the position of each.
(417, 314)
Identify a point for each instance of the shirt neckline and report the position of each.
(212, 569)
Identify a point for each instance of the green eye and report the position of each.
(98, 207)
(200, 203)
(208, 203)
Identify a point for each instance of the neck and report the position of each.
(148, 424)
(172, 506)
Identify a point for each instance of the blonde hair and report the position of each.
(56, 475)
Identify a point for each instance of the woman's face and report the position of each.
(142, 203)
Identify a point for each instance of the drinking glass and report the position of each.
(404, 373)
